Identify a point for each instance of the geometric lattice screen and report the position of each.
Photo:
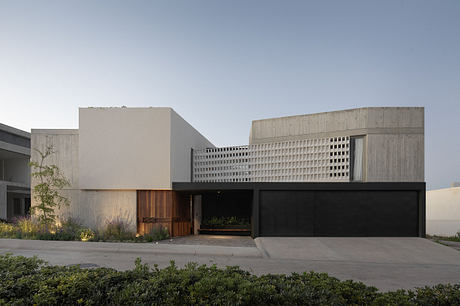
(307, 160)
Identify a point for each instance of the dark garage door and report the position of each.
(339, 213)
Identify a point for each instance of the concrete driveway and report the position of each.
(363, 250)
(387, 263)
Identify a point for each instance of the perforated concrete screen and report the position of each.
(230, 164)
(306, 160)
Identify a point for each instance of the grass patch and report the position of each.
(436, 238)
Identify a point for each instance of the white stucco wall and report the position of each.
(125, 148)
(183, 138)
(443, 211)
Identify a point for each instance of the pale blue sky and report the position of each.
(222, 64)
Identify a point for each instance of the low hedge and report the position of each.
(31, 281)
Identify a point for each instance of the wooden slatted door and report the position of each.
(163, 207)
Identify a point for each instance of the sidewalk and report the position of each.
(127, 247)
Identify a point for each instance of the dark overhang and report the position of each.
(211, 186)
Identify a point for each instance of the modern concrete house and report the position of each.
(14, 172)
(357, 172)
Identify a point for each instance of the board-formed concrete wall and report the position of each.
(393, 137)
(443, 211)
(65, 146)
(395, 158)
(93, 208)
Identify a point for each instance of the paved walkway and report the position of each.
(217, 240)
(387, 263)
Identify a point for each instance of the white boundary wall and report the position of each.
(443, 211)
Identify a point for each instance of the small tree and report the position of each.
(47, 192)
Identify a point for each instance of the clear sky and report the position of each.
(221, 64)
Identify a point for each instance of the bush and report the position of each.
(7, 230)
(68, 230)
(116, 229)
(31, 281)
(72, 230)
(87, 235)
(157, 233)
(218, 221)
(27, 227)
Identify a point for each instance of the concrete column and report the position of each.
(255, 213)
(3, 202)
(197, 213)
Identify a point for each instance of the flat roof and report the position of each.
(14, 131)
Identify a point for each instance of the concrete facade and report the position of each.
(124, 148)
(135, 148)
(119, 151)
(114, 153)
(443, 211)
(14, 172)
(393, 137)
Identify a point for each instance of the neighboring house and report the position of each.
(357, 172)
(14, 173)
(443, 211)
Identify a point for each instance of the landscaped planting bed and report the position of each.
(226, 226)
(26, 281)
(71, 230)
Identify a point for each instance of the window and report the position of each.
(356, 160)
(17, 207)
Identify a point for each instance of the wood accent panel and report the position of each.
(163, 207)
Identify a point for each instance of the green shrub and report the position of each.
(28, 227)
(68, 230)
(116, 230)
(87, 234)
(218, 221)
(157, 233)
(72, 227)
(31, 281)
(7, 230)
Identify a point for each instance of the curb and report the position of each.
(261, 248)
(135, 248)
